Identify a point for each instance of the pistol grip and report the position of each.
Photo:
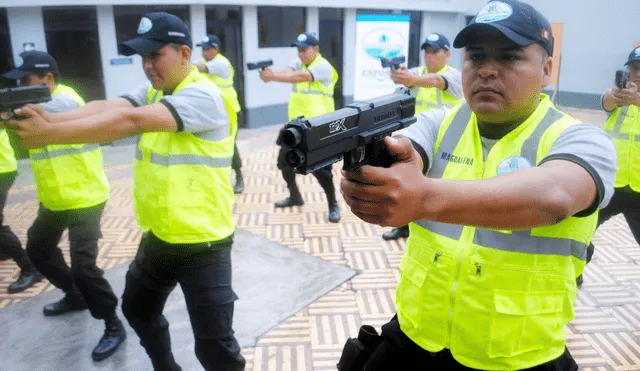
(379, 155)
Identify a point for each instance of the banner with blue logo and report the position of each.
(378, 36)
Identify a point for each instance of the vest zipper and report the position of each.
(435, 259)
(454, 287)
(478, 268)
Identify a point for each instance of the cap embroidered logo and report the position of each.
(302, 38)
(19, 62)
(433, 37)
(145, 26)
(205, 39)
(637, 52)
(493, 12)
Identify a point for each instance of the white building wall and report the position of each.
(26, 26)
(118, 78)
(349, 56)
(448, 24)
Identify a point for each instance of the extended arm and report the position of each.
(105, 126)
(288, 75)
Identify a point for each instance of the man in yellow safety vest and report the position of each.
(181, 188)
(219, 69)
(72, 190)
(501, 194)
(313, 80)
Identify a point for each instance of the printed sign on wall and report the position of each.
(378, 36)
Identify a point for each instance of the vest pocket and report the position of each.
(526, 321)
(411, 288)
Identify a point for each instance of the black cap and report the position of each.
(634, 56)
(30, 62)
(518, 21)
(437, 41)
(306, 40)
(210, 41)
(155, 31)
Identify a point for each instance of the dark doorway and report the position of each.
(72, 39)
(226, 23)
(331, 45)
(6, 55)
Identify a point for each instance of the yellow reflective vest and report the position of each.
(8, 162)
(430, 98)
(624, 128)
(69, 176)
(225, 85)
(498, 299)
(312, 98)
(182, 192)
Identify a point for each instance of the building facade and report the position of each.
(83, 36)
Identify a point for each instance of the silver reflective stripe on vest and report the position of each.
(620, 120)
(524, 242)
(183, 159)
(46, 154)
(155, 96)
(215, 135)
(615, 133)
(531, 144)
(439, 96)
(450, 140)
(225, 86)
(620, 136)
(452, 231)
(311, 92)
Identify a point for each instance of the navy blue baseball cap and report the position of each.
(30, 62)
(634, 56)
(306, 40)
(210, 41)
(437, 41)
(156, 30)
(518, 21)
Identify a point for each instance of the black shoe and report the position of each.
(334, 213)
(114, 335)
(291, 201)
(396, 233)
(26, 280)
(579, 280)
(65, 305)
(239, 187)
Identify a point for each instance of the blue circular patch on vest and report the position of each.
(513, 163)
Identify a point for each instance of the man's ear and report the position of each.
(185, 52)
(49, 78)
(547, 70)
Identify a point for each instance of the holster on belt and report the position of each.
(356, 352)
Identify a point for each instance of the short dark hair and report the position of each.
(56, 75)
(543, 52)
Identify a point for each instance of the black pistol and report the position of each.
(622, 79)
(14, 98)
(354, 134)
(259, 65)
(393, 62)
